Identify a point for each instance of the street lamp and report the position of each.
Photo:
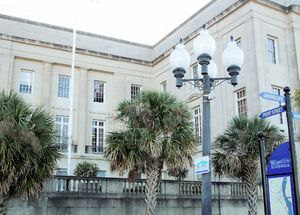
(204, 48)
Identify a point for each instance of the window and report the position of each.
(97, 136)
(135, 90)
(197, 123)
(272, 50)
(101, 173)
(241, 102)
(277, 91)
(62, 126)
(26, 79)
(63, 86)
(163, 86)
(195, 74)
(98, 91)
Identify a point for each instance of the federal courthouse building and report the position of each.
(35, 61)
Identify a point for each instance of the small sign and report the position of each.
(202, 165)
(280, 161)
(272, 112)
(281, 195)
(273, 97)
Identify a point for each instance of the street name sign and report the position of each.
(272, 112)
(273, 97)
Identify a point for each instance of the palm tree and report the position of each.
(237, 154)
(158, 132)
(27, 151)
(296, 97)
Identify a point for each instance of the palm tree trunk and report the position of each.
(152, 174)
(251, 190)
(3, 203)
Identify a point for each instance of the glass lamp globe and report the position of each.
(204, 44)
(233, 56)
(179, 58)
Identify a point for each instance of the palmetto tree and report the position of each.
(158, 132)
(236, 153)
(27, 151)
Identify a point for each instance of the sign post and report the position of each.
(292, 145)
(280, 182)
(261, 137)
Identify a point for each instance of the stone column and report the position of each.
(82, 110)
(46, 95)
(6, 71)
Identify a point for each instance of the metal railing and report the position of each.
(62, 144)
(89, 149)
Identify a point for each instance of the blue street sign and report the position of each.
(273, 97)
(272, 112)
(296, 115)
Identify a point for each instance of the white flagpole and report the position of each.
(70, 130)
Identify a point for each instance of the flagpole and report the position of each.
(70, 130)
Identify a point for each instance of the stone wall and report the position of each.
(118, 197)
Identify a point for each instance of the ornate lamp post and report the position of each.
(204, 48)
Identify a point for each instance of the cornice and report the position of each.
(157, 59)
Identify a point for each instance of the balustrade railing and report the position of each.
(73, 184)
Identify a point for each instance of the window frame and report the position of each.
(238, 101)
(272, 54)
(197, 117)
(194, 70)
(163, 86)
(27, 86)
(101, 98)
(62, 134)
(133, 88)
(98, 146)
(63, 91)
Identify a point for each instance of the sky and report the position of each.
(141, 21)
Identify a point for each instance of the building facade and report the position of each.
(35, 60)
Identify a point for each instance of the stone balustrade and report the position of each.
(74, 184)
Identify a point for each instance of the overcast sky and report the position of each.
(142, 21)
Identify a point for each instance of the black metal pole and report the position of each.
(261, 138)
(292, 145)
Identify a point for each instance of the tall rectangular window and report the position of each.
(163, 86)
(26, 80)
(197, 124)
(135, 90)
(277, 91)
(98, 91)
(241, 102)
(272, 50)
(97, 136)
(195, 74)
(63, 86)
(62, 126)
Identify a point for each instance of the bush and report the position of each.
(86, 169)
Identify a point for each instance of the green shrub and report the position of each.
(86, 169)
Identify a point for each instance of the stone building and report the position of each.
(35, 60)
